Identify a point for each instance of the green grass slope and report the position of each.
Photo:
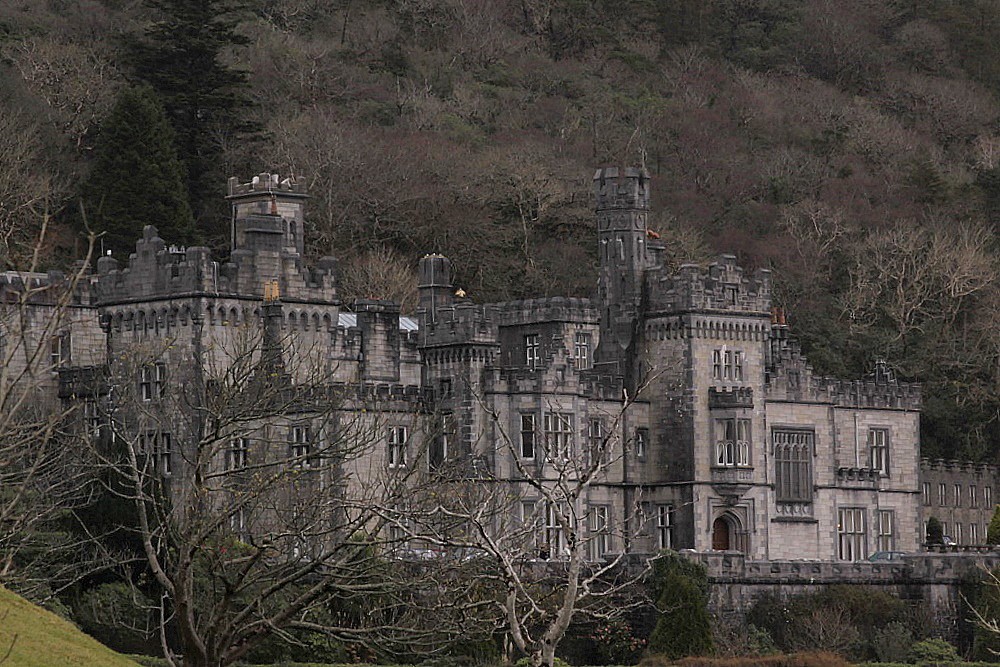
(34, 636)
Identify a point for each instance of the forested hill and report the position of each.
(853, 146)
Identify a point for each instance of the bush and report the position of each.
(526, 662)
(935, 531)
(893, 642)
(934, 651)
(993, 530)
(684, 627)
(789, 660)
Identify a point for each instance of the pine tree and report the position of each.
(137, 179)
(684, 627)
(182, 56)
(993, 530)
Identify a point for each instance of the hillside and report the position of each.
(30, 635)
(853, 147)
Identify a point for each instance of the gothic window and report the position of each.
(152, 381)
(958, 533)
(441, 445)
(793, 466)
(555, 533)
(664, 526)
(987, 496)
(878, 447)
(155, 450)
(527, 436)
(236, 455)
(532, 355)
(886, 530)
(973, 496)
(958, 495)
(59, 350)
(581, 350)
(300, 447)
(851, 531)
(558, 428)
(943, 494)
(926, 490)
(398, 437)
(728, 365)
(600, 532)
(973, 533)
(641, 442)
(732, 444)
(92, 417)
(595, 440)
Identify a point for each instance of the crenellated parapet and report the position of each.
(156, 271)
(616, 188)
(45, 288)
(721, 287)
(462, 323)
(791, 378)
(953, 466)
(553, 309)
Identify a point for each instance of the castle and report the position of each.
(720, 436)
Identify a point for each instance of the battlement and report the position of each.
(156, 270)
(463, 322)
(737, 397)
(44, 288)
(552, 309)
(721, 287)
(267, 183)
(790, 377)
(619, 189)
(953, 466)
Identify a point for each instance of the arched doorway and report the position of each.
(722, 531)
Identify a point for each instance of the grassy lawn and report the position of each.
(34, 636)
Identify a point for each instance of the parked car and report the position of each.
(881, 556)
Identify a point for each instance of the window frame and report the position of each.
(300, 445)
(878, 449)
(599, 531)
(532, 350)
(735, 452)
(793, 474)
(529, 436)
(396, 441)
(557, 428)
(852, 538)
(237, 454)
(664, 526)
(582, 350)
(885, 536)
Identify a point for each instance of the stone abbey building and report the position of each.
(723, 437)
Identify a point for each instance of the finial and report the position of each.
(460, 293)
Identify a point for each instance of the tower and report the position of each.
(268, 212)
(622, 206)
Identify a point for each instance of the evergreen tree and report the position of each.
(182, 56)
(137, 179)
(993, 530)
(935, 531)
(684, 627)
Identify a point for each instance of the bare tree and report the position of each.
(266, 493)
(45, 473)
(552, 558)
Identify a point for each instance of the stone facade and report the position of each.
(960, 495)
(723, 437)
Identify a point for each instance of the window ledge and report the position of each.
(794, 519)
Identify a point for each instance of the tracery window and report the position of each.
(732, 442)
(793, 466)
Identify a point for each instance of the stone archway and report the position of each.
(722, 534)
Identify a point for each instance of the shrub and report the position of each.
(526, 662)
(993, 530)
(935, 531)
(790, 660)
(893, 642)
(934, 651)
(684, 627)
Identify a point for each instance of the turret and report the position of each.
(622, 206)
(268, 212)
(435, 285)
